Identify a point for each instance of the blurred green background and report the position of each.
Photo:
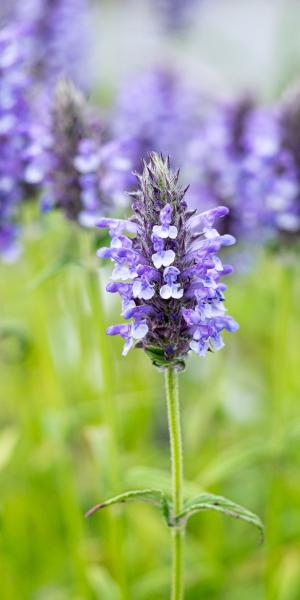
(79, 422)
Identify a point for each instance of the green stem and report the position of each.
(171, 381)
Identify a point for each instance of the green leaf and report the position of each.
(150, 496)
(220, 504)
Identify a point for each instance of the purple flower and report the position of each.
(236, 157)
(58, 42)
(167, 272)
(20, 145)
(84, 176)
(157, 111)
(289, 116)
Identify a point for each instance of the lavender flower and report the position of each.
(159, 112)
(167, 272)
(289, 115)
(59, 39)
(20, 148)
(237, 158)
(84, 175)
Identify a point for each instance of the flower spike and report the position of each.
(168, 272)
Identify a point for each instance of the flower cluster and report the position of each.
(159, 112)
(230, 152)
(237, 158)
(20, 149)
(289, 114)
(167, 271)
(85, 175)
(58, 41)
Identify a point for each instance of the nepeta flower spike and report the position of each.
(59, 40)
(85, 176)
(20, 146)
(168, 273)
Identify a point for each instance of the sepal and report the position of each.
(159, 360)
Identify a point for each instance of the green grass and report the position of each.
(79, 422)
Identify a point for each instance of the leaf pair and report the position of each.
(202, 502)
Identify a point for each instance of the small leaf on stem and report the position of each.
(219, 503)
(150, 496)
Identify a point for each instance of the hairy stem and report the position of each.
(171, 381)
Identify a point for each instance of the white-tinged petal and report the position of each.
(127, 305)
(177, 292)
(141, 291)
(172, 232)
(140, 331)
(122, 272)
(147, 293)
(136, 288)
(161, 232)
(157, 260)
(165, 292)
(218, 263)
(211, 234)
(168, 258)
(128, 344)
(199, 348)
(216, 343)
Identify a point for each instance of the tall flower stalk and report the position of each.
(167, 273)
(172, 395)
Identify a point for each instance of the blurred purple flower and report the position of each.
(85, 175)
(59, 39)
(167, 272)
(158, 110)
(20, 149)
(236, 158)
(289, 114)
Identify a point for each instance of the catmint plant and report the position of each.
(237, 158)
(159, 111)
(59, 39)
(20, 138)
(84, 173)
(167, 272)
(289, 114)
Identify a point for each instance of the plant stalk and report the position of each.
(171, 383)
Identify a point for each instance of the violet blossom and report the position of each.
(158, 112)
(167, 271)
(20, 146)
(236, 157)
(85, 174)
(59, 39)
